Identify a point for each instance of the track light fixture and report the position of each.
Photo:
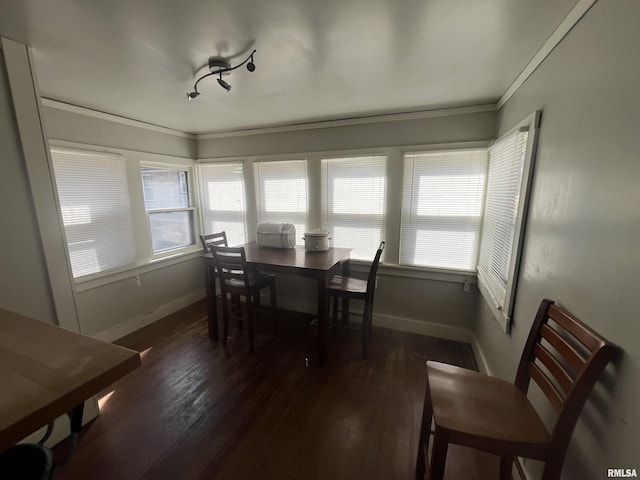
(224, 84)
(218, 66)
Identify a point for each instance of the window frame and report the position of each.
(262, 215)
(204, 208)
(361, 219)
(406, 211)
(145, 261)
(503, 313)
(192, 209)
(82, 154)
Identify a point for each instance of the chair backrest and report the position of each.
(565, 358)
(217, 239)
(231, 265)
(371, 279)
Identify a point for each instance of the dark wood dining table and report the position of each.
(294, 261)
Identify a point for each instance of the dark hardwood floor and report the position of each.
(198, 410)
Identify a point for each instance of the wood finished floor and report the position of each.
(196, 410)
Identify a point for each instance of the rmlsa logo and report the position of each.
(622, 473)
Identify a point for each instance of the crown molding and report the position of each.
(552, 42)
(67, 107)
(393, 117)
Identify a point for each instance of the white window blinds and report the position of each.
(94, 200)
(281, 192)
(353, 203)
(442, 208)
(497, 261)
(224, 200)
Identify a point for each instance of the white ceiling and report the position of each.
(316, 59)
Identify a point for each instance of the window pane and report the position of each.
(171, 230)
(224, 200)
(506, 165)
(96, 212)
(281, 193)
(167, 189)
(443, 194)
(353, 203)
(164, 188)
(285, 195)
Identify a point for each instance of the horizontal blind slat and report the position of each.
(353, 202)
(223, 195)
(281, 192)
(94, 202)
(506, 162)
(442, 208)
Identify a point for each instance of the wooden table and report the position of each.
(294, 261)
(46, 372)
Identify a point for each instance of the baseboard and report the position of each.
(421, 327)
(481, 359)
(142, 320)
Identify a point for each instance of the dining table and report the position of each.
(47, 371)
(317, 265)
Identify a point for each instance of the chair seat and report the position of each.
(472, 408)
(255, 280)
(348, 285)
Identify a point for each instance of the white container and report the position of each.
(316, 241)
(276, 235)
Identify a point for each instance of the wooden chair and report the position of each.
(236, 280)
(562, 355)
(218, 239)
(350, 287)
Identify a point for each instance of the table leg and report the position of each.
(323, 320)
(346, 270)
(212, 307)
(75, 423)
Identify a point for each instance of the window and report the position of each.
(281, 192)
(168, 206)
(96, 212)
(353, 203)
(224, 200)
(442, 202)
(510, 171)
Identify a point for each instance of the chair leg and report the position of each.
(553, 468)
(335, 299)
(438, 455)
(365, 330)
(506, 465)
(274, 306)
(425, 433)
(250, 320)
(225, 319)
(237, 309)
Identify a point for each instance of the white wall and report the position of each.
(583, 232)
(24, 283)
(75, 127)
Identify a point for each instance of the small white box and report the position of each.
(276, 235)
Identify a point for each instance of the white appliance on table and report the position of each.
(276, 235)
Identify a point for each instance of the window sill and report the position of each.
(423, 273)
(135, 271)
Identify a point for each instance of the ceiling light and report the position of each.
(224, 84)
(219, 66)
